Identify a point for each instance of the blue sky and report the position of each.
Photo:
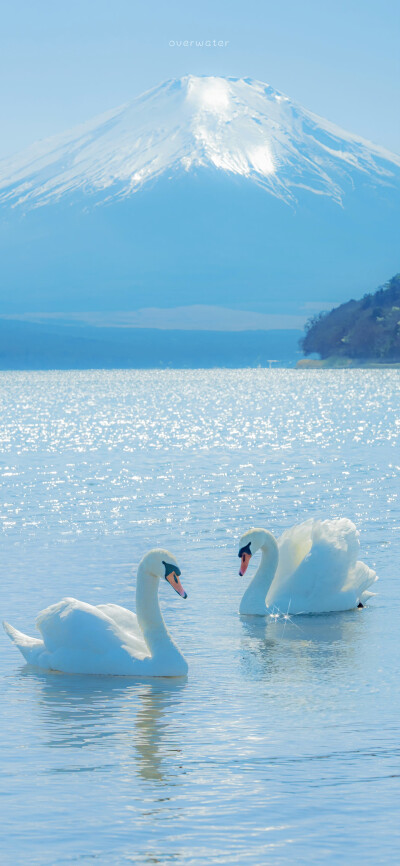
(61, 63)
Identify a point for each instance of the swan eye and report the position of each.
(244, 551)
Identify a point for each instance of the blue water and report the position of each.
(282, 745)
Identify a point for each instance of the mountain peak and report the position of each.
(238, 126)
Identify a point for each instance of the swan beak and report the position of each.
(245, 559)
(173, 579)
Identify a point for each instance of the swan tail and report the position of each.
(366, 595)
(30, 647)
(361, 577)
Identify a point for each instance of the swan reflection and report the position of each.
(296, 646)
(137, 721)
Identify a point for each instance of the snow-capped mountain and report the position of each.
(241, 127)
(203, 190)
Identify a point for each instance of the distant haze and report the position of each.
(194, 318)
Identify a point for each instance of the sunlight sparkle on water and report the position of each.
(282, 745)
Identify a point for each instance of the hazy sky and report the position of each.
(63, 62)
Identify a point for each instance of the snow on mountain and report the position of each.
(180, 199)
(238, 126)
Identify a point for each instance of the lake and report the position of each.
(282, 744)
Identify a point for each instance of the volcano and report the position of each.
(204, 190)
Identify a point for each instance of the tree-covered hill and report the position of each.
(365, 330)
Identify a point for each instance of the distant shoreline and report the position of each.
(58, 345)
(161, 368)
(344, 364)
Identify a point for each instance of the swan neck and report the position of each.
(253, 600)
(267, 568)
(148, 612)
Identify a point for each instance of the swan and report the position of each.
(311, 568)
(80, 638)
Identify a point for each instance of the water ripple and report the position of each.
(282, 744)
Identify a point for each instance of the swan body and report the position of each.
(311, 568)
(81, 638)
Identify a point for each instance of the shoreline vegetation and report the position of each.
(360, 333)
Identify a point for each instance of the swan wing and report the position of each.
(82, 638)
(340, 536)
(70, 622)
(294, 544)
(329, 577)
(359, 579)
(127, 621)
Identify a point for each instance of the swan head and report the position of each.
(161, 564)
(250, 542)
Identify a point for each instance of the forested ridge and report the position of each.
(368, 329)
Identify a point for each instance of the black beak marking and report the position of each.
(245, 549)
(169, 569)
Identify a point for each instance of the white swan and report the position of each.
(312, 568)
(79, 638)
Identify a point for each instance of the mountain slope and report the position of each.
(241, 127)
(201, 191)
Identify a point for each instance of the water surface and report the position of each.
(282, 745)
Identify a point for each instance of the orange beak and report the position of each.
(173, 579)
(245, 559)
